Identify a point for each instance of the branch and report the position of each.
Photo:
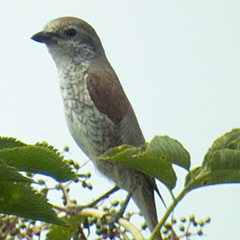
(105, 195)
(194, 182)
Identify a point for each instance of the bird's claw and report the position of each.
(74, 210)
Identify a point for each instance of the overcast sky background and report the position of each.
(178, 62)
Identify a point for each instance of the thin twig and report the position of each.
(66, 195)
(105, 195)
(88, 205)
(9, 227)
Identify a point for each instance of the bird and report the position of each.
(97, 111)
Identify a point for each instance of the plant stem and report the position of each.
(170, 209)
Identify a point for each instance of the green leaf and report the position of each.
(57, 232)
(10, 142)
(10, 174)
(154, 159)
(225, 166)
(170, 149)
(229, 140)
(221, 163)
(39, 158)
(22, 200)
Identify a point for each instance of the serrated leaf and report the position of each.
(10, 142)
(57, 232)
(221, 164)
(229, 140)
(154, 159)
(224, 166)
(22, 200)
(170, 149)
(11, 174)
(45, 144)
(226, 140)
(119, 150)
(38, 159)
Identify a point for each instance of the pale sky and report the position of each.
(178, 62)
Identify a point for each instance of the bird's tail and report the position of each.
(143, 195)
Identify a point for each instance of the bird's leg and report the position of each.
(123, 207)
(115, 216)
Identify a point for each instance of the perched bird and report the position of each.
(98, 113)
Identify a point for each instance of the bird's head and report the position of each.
(70, 39)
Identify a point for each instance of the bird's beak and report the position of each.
(43, 37)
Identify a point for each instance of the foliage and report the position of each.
(17, 195)
(160, 153)
(21, 204)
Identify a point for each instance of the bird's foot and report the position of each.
(74, 210)
(108, 223)
(113, 217)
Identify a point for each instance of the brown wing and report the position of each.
(108, 96)
(107, 93)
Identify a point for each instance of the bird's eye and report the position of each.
(71, 32)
